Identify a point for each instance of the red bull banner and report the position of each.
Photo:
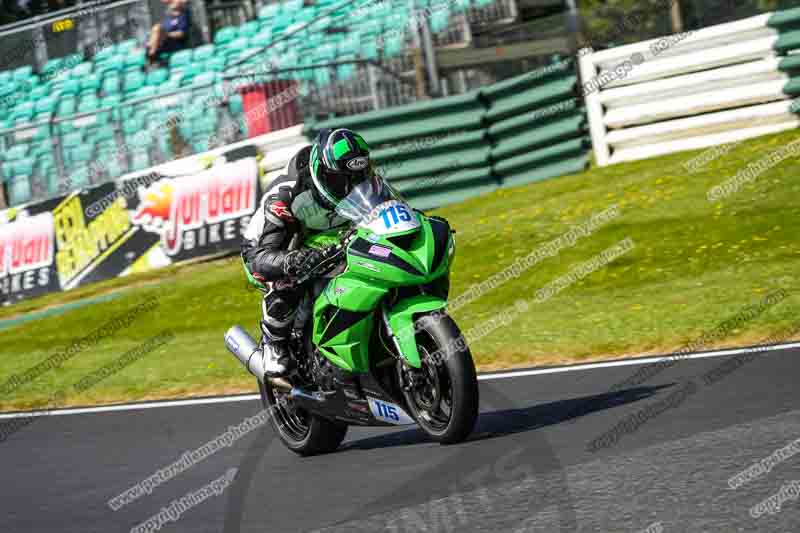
(130, 226)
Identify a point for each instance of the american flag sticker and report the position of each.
(380, 251)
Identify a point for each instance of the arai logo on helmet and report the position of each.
(358, 163)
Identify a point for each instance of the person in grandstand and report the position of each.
(172, 34)
(296, 205)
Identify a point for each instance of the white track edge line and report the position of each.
(481, 377)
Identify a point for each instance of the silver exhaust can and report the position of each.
(245, 349)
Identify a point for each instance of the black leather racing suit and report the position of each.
(286, 216)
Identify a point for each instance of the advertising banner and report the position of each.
(129, 226)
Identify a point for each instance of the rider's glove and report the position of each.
(301, 262)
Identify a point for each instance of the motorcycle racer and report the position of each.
(294, 206)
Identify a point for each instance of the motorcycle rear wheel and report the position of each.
(300, 431)
(444, 400)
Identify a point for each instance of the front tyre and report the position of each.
(303, 433)
(442, 395)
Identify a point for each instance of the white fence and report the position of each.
(687, 91)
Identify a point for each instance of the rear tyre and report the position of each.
(444, 397)
(303, 433)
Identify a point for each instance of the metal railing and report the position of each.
(70, 31)
(51, 157)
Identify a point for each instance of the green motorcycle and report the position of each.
(372, 345)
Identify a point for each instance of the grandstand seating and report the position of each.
(100, 86)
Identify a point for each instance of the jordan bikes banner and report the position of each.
(132, 225)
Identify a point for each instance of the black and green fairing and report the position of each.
(346, 312)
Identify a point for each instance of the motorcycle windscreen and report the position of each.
(377, 206)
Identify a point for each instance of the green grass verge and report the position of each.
(694, 265)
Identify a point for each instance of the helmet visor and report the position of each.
(338, 184)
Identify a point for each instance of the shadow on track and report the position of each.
(503, 422)
(484, 461)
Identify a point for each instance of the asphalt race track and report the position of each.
(535, 463)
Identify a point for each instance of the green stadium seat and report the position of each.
(180, 59)
(226, 35)
(134, 80)
(45, 105)
(104, 54)
(248, 29)
(281, 21)
(124, 47)
(18, 151)
(133, 124)
(144, 92)
(113, 101)
(205, 78)
(322, 76)
(41, 117)
(111, 85)
(90, 103)
(72, 60)
(325, 54)
(22, 73)
(71, 87)
(42, 91)
(52, 66)
(203, 53)
(81, 154)
(238, 44)
(269, 11)
(19, 190)
(201, 142)
(235, 104)
(44, 144)
(217, 63)
(157, 77)
(261, 39)
(23, 167)
(170, 85)
(66, 106)
(71, 140)
(393, 46)
(81, 70)
(292, 5)
(190, 71)
(22, 113)
(350, 46)
(90, 84)
(347, 71)
(113, 64)
(369, 49)
(102, 134)
(135, 60)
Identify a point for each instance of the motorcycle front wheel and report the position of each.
(443, 397)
